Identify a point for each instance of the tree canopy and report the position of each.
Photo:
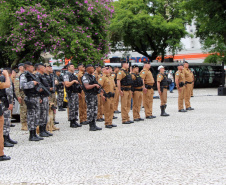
(76, 29)
(149, 26)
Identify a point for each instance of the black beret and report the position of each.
(180, 64)
(134, 66)
(36, 64)
(28, 63)
(98, 65)
(146, 62)
(109, 66)
(41, 64)
(21, 64)
(89, 65)
(69, 64)
(185, 62)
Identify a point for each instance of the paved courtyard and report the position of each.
(185, 148)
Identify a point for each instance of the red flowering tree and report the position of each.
(77, 29)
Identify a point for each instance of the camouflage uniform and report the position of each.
(44, 105)
(72, 101)
(23, 107)
(7, 113)
(60, 91)
(33, 110)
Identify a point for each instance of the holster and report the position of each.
(125, 88)
(5, 101)
(181, 84)
(149, 86)
(109, 95)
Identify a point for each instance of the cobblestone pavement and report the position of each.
(185, 148)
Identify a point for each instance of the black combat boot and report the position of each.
(78, 125)
(97, 128)
(32, 136)
(42, 131)
(47, 131)
(11, 141)
(6, 142)
(92, 126)
(84, 123)
(72, 124)
(163, 113)
(4, 158)
(61, 109)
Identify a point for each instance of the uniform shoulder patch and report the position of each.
(143, 72)
(119, 73)
(159, 76)
(177, 74)
(100, 79)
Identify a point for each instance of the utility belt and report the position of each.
(149, 86)
(181, 84)
(162, 87)
(33, 96)
(137, 89)
(125, 88)
(5, 101)
(188, 83)
(109, 95)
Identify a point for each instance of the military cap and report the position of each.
(89, 65)
(80, 64)
(146, 62)
(109, 66)
(28, 63)
(160, 67)
(21, 64)
(47, 65)
(41, 64)
(180, 64)
(124, 61)
(134, 66)
(36, 64)
(98, 65)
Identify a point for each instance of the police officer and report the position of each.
(7, 108)
(20, 96)
(108, 84)
(44, 104)
(97, 73)
(124, 83)
(60, 90)
(82, 101)
(137, 89)
(188, 85)
(91, 89)
(51, 81)
(3, 85)
(162, 85)
(32, 100)
(148, 90)
(116, 98)
(73, 92)
(180, 84)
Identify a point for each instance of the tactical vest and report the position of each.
(164, 82)
(92, 80)
(138, 82)
(127, 80)
(43, 79)
(30, 92)
(60, 79)
(74, 88)
(2, 91)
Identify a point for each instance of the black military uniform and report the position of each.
(60, 92)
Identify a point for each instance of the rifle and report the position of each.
(54, 88)
(40, 85)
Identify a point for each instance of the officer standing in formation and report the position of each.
(44, 103)
(148, 89)
(162, 85)
(60, 90)
(7, 108)
(108, 84)
(97, 74)
(137, 89)
(124, 83)
(51, 81)
(73, 92)
(180, 84)
(82, 101)
(20, 96)
(116, 98)
(3, 85)
(188, 85)
(91, 88)
(32, 100)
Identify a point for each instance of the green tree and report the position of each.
(72, 28)
(210, 16)
(149, 26)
